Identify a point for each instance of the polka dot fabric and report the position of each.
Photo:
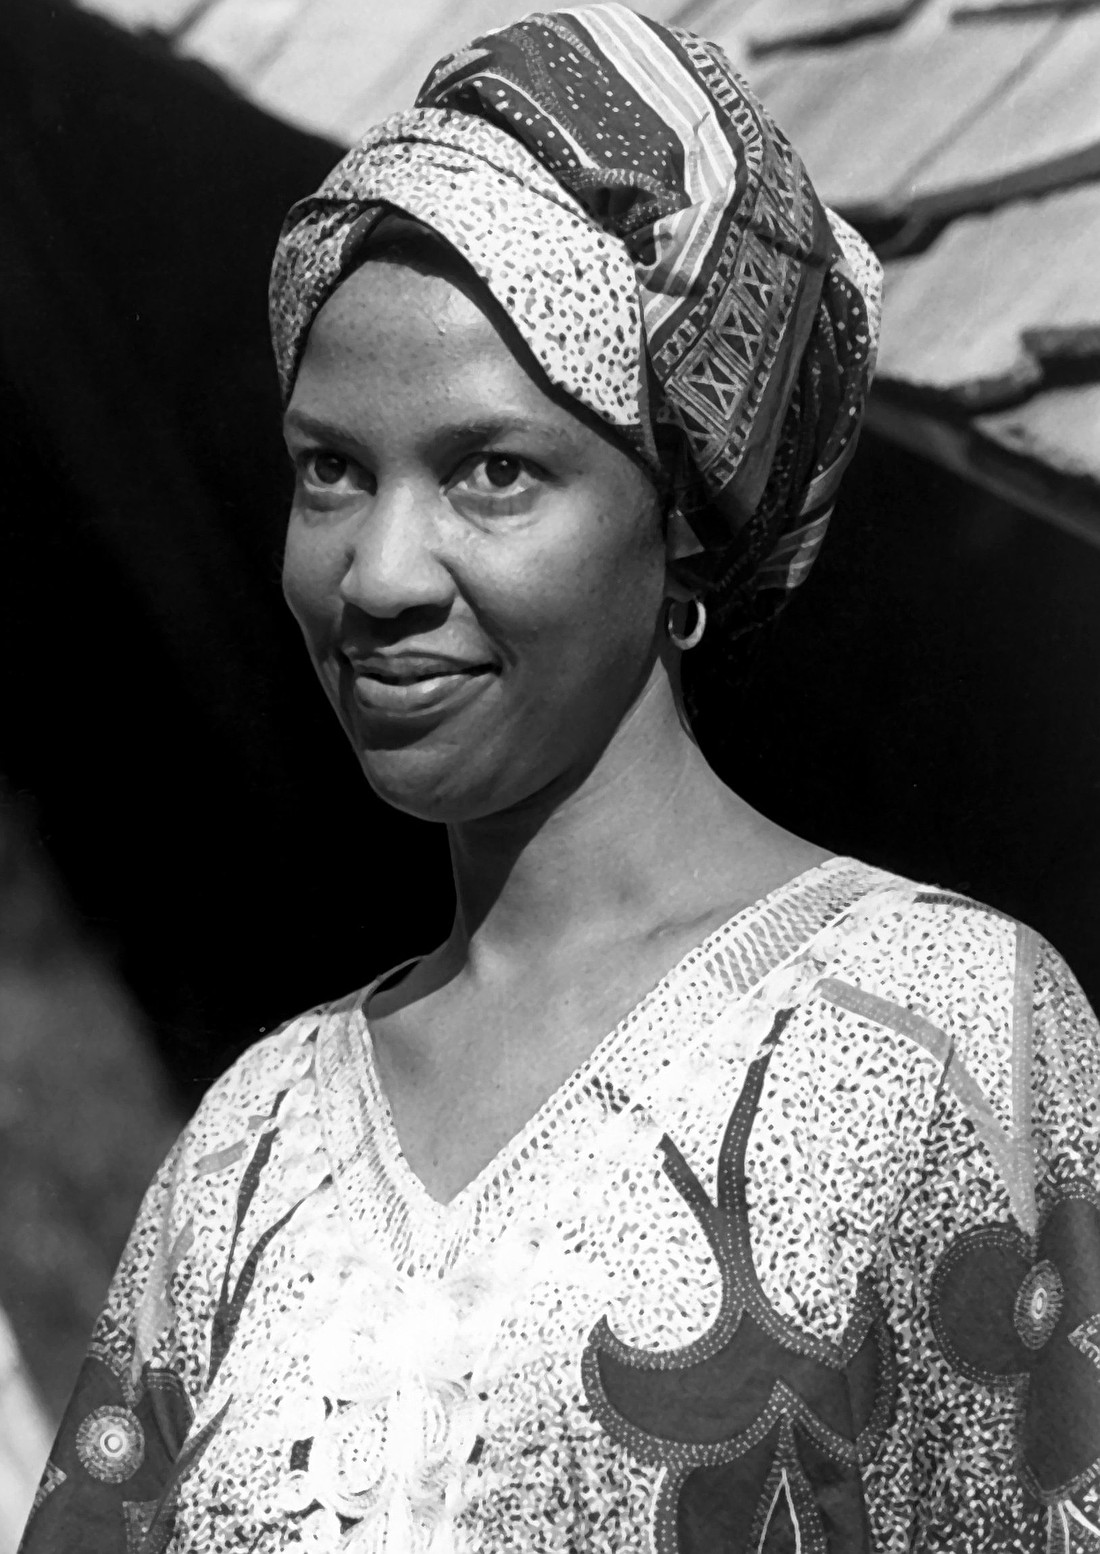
(660, 249)
(797, 1258)
(567, 286)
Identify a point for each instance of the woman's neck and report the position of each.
(648, 837)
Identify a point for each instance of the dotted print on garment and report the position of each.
(400, 1373)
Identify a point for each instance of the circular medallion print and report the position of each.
(111, 1444)
(1038, 1304)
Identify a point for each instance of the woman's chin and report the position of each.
(430, 785)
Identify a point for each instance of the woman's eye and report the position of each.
(497, 474)
(325, 469)
(502, 472)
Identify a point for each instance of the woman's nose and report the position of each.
(392, 561)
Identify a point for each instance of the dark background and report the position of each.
(927, 703)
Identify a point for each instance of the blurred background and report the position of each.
(188, 854)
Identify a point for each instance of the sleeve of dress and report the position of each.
(141, 1412)
(992, 1277)
(131, 1410)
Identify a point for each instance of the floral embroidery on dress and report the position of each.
(385, 1422)
(384, 1377)
(1012, 1314)
(760, 1429)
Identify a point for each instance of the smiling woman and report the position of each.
(476, 566)
(702, 1191)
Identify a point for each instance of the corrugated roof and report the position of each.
(1060, 428)
(962, 135)
(867, 117)
(784, 24)
(1039, 130)
(997, 300)
(966, 140)
(333, 67)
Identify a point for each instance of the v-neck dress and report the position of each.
(805, 1256)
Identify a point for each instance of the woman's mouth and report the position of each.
(405, 685)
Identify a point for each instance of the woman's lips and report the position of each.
(400, 697)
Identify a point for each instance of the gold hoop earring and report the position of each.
(695, 635)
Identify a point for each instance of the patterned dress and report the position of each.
(806, 1256)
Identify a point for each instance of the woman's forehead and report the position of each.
(385, 300)
(403, 347)
(430, 352)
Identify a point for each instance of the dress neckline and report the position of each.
(749, 924)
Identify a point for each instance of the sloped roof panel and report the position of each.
(1059, 429)
(980, 9)
(338, 66)
(784, 24)
(868, 116)
(240, 39)
(1042, 128)
(974, 317)
(165, 16)
(332, 74)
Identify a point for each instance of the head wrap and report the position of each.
(661, 251)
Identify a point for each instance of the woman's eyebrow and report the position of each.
(465, 433)
(314, 426)
(490, 428)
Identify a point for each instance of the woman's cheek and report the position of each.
(311, 580)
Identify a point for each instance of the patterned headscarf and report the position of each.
(661, 251)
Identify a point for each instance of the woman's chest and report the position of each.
(372, 1405)
(428, 1378)
(464, 1073)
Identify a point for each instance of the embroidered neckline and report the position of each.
(737, 955)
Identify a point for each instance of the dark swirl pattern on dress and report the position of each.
(1014, 1314)
(111, 1476)
(762, 1429)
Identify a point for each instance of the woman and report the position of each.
(805, 1253)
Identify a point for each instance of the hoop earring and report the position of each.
(695, 635)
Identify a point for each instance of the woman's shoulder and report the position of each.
(967, 980)
(251, 1093)
(965, 1012)
(925, 947)
(252, 1141)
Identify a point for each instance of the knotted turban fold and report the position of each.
(661, 251)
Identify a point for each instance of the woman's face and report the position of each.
(478, 571)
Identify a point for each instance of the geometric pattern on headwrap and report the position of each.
(747, 370)
(661, 142)
(760, 309)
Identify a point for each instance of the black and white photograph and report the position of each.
(550, 777)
